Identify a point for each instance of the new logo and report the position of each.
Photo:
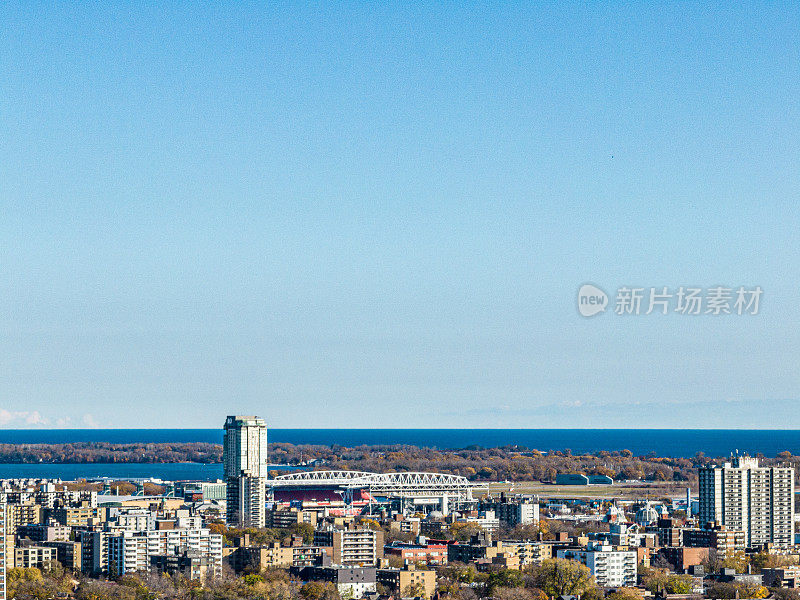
(591, 300)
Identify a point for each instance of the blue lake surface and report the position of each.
(663, 442)
(165, 471)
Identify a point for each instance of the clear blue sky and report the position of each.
(354, 215)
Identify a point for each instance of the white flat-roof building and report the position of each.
(610, 568)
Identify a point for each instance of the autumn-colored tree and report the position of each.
(537, 594)
(416, 590)
(19, 577)
(668, 582)
(252, 579)
(767, 560)
(304, 529)
(93, 589)
(317, 590)
(464, 531)
(559, 576)
(726, 591)
(512, 593)
(717, 560)
(786, 594)
(624, 594)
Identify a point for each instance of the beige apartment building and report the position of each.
(410, 580)
(362, 547)
(257, 558)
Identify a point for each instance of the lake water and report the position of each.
(663, 442)
(165, 471)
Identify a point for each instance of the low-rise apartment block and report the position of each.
(189, 563)
(78, 516)
(68, 554)
(352, 582)
(726, 541)
(783, 577)
(131, 551)
(515, 512)
(283, 518)
(244, 557)
(351, 546)
(409, 582)
(27, 556)
(421, 553)
(51, 532)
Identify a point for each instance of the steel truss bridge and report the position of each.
(399, 485)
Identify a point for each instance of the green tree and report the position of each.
(679, 584)
(252, 579)
(503, 578)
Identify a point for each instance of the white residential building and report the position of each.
(3, 593)
(486, 520)
(517, 512)
(131, 550)
(609, 567)
(743, 496)
(133, 521)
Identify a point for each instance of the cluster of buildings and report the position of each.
(337, 524)
(743, 508)
(44, 524)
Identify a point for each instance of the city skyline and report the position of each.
(384, 216)
(399, 301)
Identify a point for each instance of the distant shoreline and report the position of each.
(661, 442)
(201, 460)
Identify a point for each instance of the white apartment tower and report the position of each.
(244, 457)
(3, 593)
(743, 496)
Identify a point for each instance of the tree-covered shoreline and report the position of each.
(510, 463)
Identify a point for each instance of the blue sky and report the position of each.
(379, 216)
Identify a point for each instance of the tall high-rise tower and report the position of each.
(3, 531)
(757, 500)
(244, 457)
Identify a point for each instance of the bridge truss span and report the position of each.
(404, 484)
